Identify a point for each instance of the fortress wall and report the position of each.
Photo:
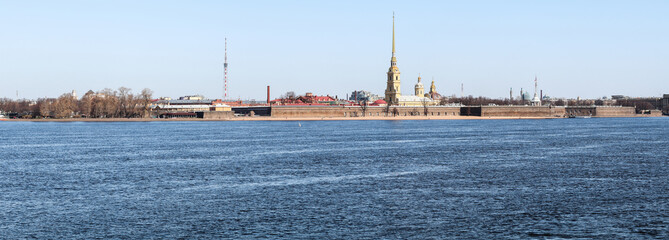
(580, 111)
(521, 111)
(216, 115)
(484, 111)
(307, 111)
(356, 111)
(615, 112)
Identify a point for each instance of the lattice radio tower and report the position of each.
(225, 70)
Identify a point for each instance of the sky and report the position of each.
(575, 48)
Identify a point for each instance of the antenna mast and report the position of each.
(225, 69)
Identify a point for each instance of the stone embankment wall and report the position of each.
(483, 111)
(521, 111)
(513, 111)
(600, 111)
(614, 112)
(216, 115)
(580, 111)
(356, 111)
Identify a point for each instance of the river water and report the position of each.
(459, 179)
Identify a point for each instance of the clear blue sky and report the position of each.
(576, 48)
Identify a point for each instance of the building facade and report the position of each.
(361, 95)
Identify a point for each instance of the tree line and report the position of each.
(106, 103)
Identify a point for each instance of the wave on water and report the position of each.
(317, 180)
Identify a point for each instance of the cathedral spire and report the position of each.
(393, 34)
(393, 84)
(393, 60)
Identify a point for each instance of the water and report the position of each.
(486, 179)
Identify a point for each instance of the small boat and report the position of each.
(575, 116)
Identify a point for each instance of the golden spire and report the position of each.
(393, 34)
(393, 60)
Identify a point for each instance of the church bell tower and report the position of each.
(393, 83)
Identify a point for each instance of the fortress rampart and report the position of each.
(357, 111)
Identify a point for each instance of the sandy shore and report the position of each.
(269, 119)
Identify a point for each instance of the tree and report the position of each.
(424, 102)
(386, 110)
(363, 107)
(145, 97)
(289, 95)
(124, 101)
(44, 107)
(86, 103)
(106, 104)
(559, 102)
(64, 106)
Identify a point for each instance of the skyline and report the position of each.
(576, 49)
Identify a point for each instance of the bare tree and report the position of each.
(124, 100)
(86, 103)
(145, 97)
(64, 106)
(559, 102)
(363, 107)
(107, 103)
(386, 110)
(425, 103)
(44, 107)
(395, 112)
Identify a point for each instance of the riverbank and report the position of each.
(261, 118)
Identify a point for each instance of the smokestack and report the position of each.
(268, 94)
(542, 94)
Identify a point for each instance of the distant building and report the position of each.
(419, 89)
(307, 99)
(192, 97)
(361, 95)
(379, 102)
(183, 105)
(311, 98)
(525, 96)
(433, 92)
(665, 100)
(536, 101)
(618, 97)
